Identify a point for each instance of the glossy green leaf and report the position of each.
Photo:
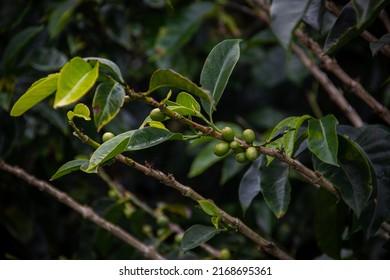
(104, 64)
(285, 17)
(169, 78)
(35, 94)
(18, 42)
(76, 78)
(181, 28)
(250, 185)
(230, 168)
(314, 14)
(322, 139)
(375, 46)
(82, 111)
(48, 59)
(287, 141)
(208, 207)
(217, 69)
(274, 185)
(69, 167)
(354, 176)
(150, 136)
(350, 24)
(329, 223)
(109, 150)
(375, 140)
(108, 100)
(365, 8)
(197, 235)
(204, 159)
(188, 101)
(60, 17)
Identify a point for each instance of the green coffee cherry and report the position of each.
(251, 153)
(248, 135)
(235, 146)
(228, 133)
(157, 115)
(241, 157)
(107, 136)
(221, 149)
(225, 254)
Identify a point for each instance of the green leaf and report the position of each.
(354, 176)
(48, 59)
(250, 185)
(107, 65)
(274, 185)
(204, 159)
(82, 111)
(188, 101)
(181, 28)
(108, 100)
(322, 139)
(18, 42)
(169, 78)
(230, 168)
(197, 235)
(375, 46)
(208, 207)
(217, 69)
(60, 17)
(109, 150)
(76, 78)
(314, 14)
(285, 17)
(350, 24)
(69, 167)
(150, 136)
(329, 223)
(35, 94)
(288, 140)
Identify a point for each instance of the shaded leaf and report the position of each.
(285, 16)
(230, 168)
(181, 28)
(322, 139)
(314, 13)
(250, 185)
(365, 8)
(329, 223)
(35, 94)
(48, 59)
(217, 69)
(169, 78)
(197, 235)
(354, 176)
(375, 46)
(108, 100)
(274, 185)
(204, 159)
(18, 42)
(107, 65)
(60, 17)
(76, 78)
(69, 167)
(150, 136)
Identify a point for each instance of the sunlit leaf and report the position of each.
(286, 15)
(76, 78)
(70, 166)
(108, 100)
(82, 111)
(217, 69)
(169, 78)
(35, 94)
(188, 101)
(322, 139)
(197, 235)
(208, 207)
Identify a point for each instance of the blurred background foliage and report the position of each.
(140, 36)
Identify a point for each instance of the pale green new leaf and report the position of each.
(82, 111)
(217, 69)
(188, 101)
(208, 207)
(322, 139)
(35, 94)
(169, 78)
(69, 167)
(108, 100)
(76, 78)
(197, 235)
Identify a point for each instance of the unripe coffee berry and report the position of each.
(157, 115)
(228, 133)
(251, 153)
(221, 149)
(248, 135)
(225, 254)
(241, 157)
(107, 136)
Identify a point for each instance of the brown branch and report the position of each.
(86, 212)
(168, 180)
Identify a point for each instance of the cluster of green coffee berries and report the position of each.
(242, 155)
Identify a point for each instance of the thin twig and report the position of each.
(86, 212)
